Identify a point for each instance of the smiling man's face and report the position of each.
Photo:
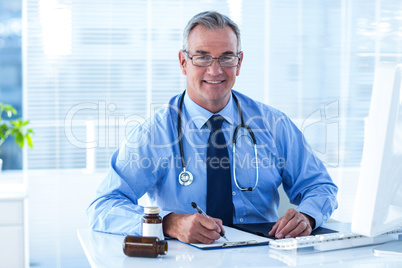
(210, 86)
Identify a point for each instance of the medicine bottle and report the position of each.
(139, 246)
(152, 223)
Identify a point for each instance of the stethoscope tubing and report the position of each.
(234, 140)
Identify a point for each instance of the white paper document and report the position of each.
(236, 238)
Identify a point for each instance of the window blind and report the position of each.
(314, 60)
(92, 66)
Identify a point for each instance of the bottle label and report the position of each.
(153, 229)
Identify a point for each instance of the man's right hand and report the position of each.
(192, 228)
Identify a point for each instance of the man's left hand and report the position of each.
(293, 224)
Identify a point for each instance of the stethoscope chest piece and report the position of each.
(185, 178)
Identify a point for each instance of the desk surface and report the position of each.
(105, 250)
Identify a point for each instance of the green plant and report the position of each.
(17, 128)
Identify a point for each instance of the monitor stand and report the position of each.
(393, 248)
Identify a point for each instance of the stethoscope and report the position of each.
(186, 177)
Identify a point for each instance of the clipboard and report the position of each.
(237, 238)
(262, 229)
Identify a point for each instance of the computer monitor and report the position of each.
(378, 204)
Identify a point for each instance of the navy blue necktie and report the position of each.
(219, 182)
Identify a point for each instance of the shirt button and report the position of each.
(241, 220)
(233, 193)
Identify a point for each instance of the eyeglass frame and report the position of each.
(218, 58)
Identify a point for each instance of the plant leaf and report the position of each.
(15, 127)
(10, 110)
(19, 139)
(29, 140)
(14, 131)
(4, 130)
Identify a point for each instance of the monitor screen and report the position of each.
(378, 203)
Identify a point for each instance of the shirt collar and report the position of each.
(200, 115)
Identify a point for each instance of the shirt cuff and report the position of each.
(310, 209)
(164, 213)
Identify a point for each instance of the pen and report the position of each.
(199, 210)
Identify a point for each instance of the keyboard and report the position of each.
(332, 241)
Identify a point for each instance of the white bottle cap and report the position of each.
(151, 210)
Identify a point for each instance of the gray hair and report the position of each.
(211, 20)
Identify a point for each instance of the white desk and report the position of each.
(105, 250)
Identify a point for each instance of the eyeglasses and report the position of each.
(206, 60)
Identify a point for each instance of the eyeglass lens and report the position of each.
(224, 61)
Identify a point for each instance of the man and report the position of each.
(149, 161)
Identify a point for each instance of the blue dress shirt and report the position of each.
(149, 162)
